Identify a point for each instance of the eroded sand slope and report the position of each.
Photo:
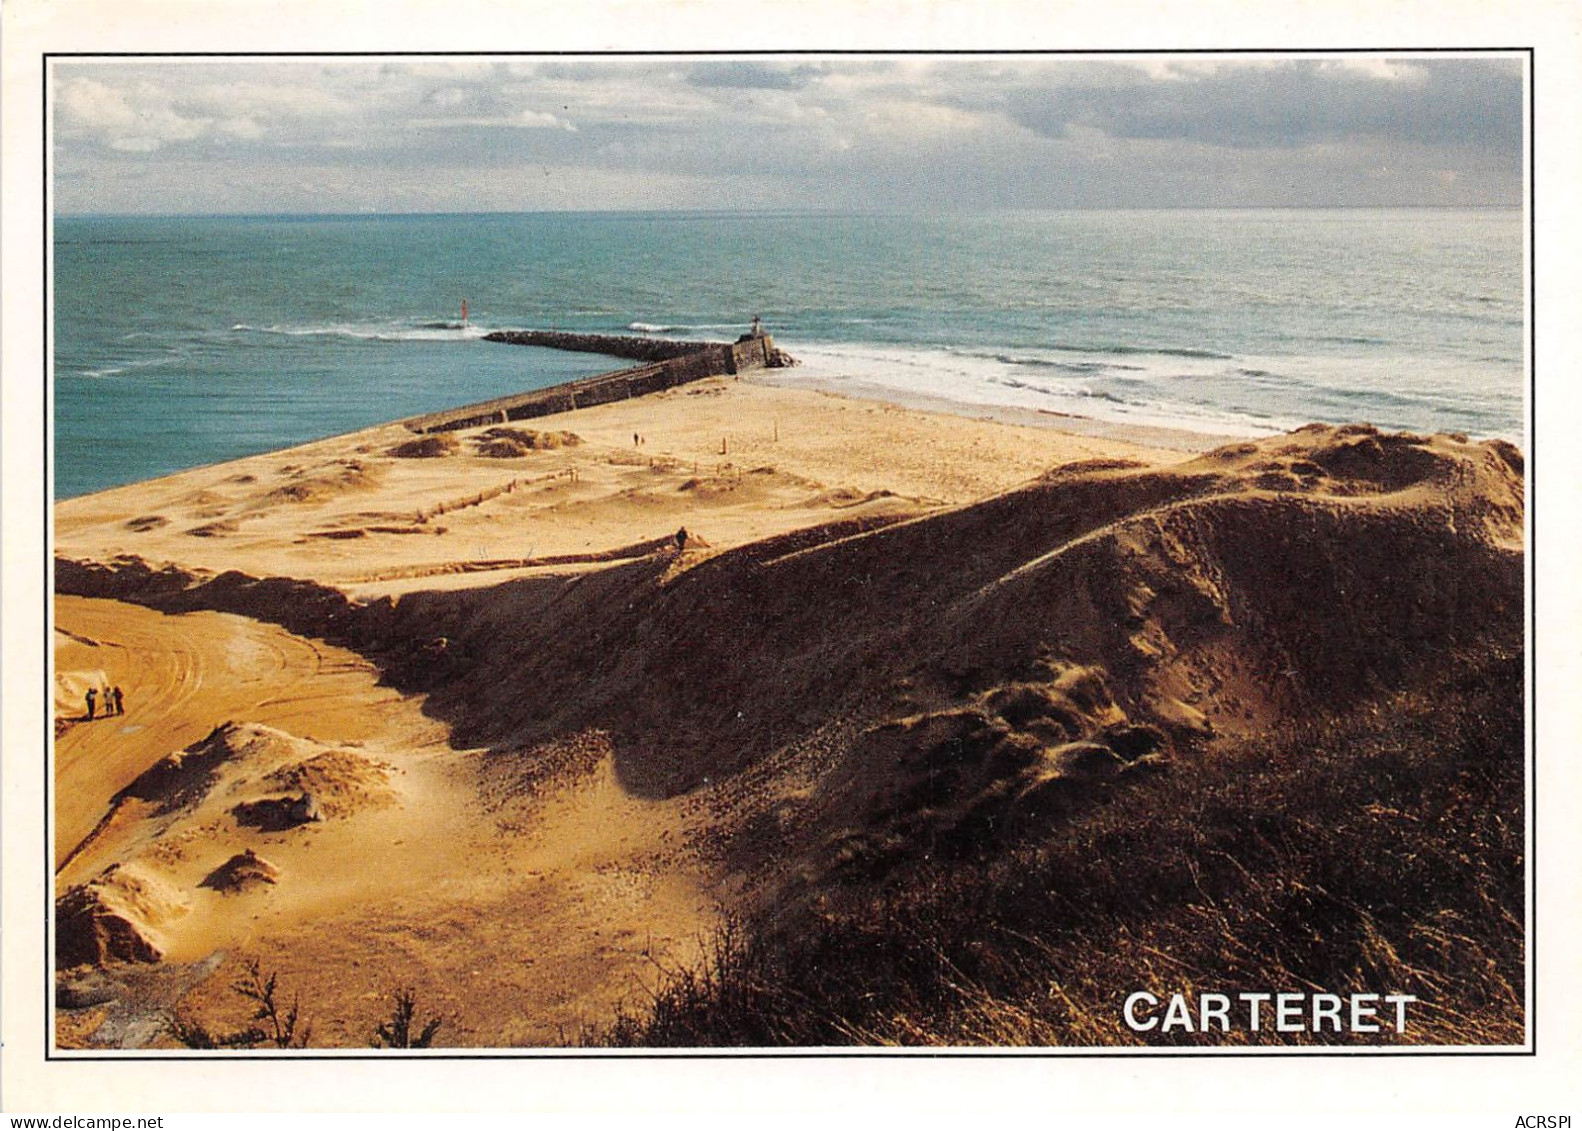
(905, 636)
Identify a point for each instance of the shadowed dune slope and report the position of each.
(812, 716)
(1216, 596)
(1301, 571)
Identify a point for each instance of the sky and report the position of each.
(809, 132)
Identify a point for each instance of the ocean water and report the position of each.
(181, 341)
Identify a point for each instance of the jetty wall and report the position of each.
(670, 363)
(611, 345)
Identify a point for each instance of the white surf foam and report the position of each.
(449, 332)
(1119, 389)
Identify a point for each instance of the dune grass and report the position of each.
(1378, 852)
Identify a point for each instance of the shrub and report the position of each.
(396, 1033)
(272, 1024)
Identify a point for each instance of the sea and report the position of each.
(180, 341)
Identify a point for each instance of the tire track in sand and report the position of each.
(184, 674)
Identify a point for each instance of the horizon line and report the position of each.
(368, 214)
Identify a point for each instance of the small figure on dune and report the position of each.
(681, 540)
(93, 693)
(115, 693)
(636, 439)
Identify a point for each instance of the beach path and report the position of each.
(522, 904)
(181, 676)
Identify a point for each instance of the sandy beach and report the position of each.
(733, 461)
(465, 714)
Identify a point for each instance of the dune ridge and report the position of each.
(821, 690)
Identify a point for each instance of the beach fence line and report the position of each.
(668, 364)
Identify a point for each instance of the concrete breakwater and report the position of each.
(670, 363)
(611, 345)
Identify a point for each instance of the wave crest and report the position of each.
(422, 332)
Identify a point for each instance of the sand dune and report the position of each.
(345, 508)
(548, 747)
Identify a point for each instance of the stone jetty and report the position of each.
(668, 364)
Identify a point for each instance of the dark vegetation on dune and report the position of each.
(1378, 852)
(1251, 723)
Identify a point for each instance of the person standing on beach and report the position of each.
(93, 693)
(115, 694)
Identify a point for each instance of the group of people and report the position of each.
(109, 699)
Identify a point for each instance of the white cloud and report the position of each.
(538, 120)
(138, 119)
(861, 132)
(148, 114)
(902, 122)
(1377, 67)
(524, 120)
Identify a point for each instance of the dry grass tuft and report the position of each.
(432, 446)
(512, 443)
(1381, 851)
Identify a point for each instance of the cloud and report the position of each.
(127, 120)
(539, 120)
(522, 120)
(745, 75)
(857, 132)
(148, 108)
(1292, 104)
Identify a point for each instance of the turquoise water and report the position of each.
(181, 341)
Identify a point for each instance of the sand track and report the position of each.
(184, 674)
(523, 906)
